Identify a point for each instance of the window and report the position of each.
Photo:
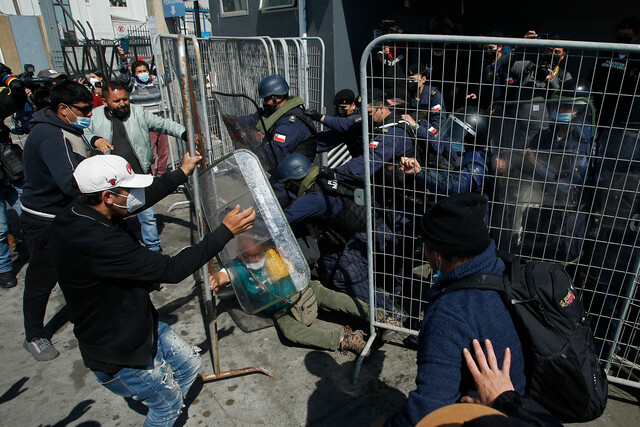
(118, 3)
(233, 7)
(276, 4)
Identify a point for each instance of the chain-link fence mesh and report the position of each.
(546, 130)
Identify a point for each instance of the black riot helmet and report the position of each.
(573, 104)
(466, 126)
(294, 166)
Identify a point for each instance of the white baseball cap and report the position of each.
(107, 171)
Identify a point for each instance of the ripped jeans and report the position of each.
(162, 387)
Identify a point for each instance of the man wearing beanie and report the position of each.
(457, 244)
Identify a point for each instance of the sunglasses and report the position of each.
(84, 110)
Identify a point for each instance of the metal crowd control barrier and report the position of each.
(194, 71)
(559, 165)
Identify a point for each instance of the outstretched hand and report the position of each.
(239, 222)
(491, 381)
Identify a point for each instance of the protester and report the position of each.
(106, 277)
(52, 151)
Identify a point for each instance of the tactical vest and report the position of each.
(308, 147)
(351, 219)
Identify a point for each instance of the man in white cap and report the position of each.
(106, 276)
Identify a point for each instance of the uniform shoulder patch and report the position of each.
(292, 119)
(358, 120)
(278, 137)
(433, 93)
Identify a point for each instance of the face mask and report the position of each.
(81, 122)
(490, 56)
(257, 265)
(438, 275)
(94, 81)
(342, 112)
(456, 147)
(412, 87)
(143, 77)
(268, 109)
(562, 117)
(135, 199)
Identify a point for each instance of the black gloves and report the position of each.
(313, 115)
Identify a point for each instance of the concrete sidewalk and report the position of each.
(311, 387)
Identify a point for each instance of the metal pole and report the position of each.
(196, 15)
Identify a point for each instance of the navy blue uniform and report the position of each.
(392, 142)
(468, 177)
(431, 101)
(342, 129)
(287, 134)
(345, 267)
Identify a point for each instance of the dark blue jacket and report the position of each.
(431, 101)
(287, 133)
(341, 129)
(48, 162)
(390, 142)
(468, 177)
(450, 324)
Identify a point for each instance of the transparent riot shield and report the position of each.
(265, 264)
(242, 117)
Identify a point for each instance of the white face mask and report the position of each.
(257, 265)
(135, 199)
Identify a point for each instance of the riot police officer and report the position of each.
(340, 225)
(425, 98)
(461, 164)
(284, 124)
(345, 127)
(392, 138)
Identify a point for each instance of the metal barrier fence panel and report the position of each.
(555, 152)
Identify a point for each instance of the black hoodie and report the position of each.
(48, 163)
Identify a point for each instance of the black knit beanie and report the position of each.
(456, 225)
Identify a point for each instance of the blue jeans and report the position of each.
(149, 229)
(163, 386)
(11, 196)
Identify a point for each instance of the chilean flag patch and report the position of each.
(432, 130)
(278, 137)
(436, 107)
(373, 144)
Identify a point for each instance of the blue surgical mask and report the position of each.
(456, 147)
(81, 122)
(562, 117)
(143, 77)
(135, 199)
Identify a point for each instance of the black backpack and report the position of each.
(562, 369)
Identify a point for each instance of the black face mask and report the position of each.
(268, 109)
(550, 59)
(121, 113)
(623, 39)
(412, 88)
(342, 112)
(490, 56)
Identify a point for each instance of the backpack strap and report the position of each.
(481, 281)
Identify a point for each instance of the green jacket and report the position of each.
(138, 125)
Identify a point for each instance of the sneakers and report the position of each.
(41, 349)
(8, 280)
(352, 341)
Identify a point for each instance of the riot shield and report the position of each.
(241, 116)
(265, 264)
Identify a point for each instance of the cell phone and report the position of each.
(124, 44)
